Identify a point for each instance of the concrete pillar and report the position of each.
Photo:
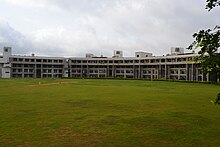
(166, 71)
(207, 77)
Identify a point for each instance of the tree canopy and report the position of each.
(208, 41)
(211, 4)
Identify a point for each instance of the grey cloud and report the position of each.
(11, 37)
(129, 25)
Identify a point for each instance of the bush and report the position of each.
(217, 100)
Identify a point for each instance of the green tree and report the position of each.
(211, 4)
(208, 41)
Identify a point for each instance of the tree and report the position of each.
(209, 42)
(211, 4)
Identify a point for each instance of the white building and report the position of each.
(5, 65)
(177, 66)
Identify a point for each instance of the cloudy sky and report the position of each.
(76, 27)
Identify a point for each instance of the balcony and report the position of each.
(7, 65)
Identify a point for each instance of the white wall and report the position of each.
(4, 63)
(6, 72)
(6, 54)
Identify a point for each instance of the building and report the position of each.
(14, 66)
(177, 65)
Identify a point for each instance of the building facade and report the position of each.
(177, 66)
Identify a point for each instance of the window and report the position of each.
(38, 60)
(179, 59)
(152, 61)
(169, 60)
(26, 60)
(177, 49)
(182, 71)
(117, 52)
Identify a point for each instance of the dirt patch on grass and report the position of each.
(173, 126)
(66, 136)
(68, 132)
(81, 103)
(48, 84)
(6, 141)
(65, 132)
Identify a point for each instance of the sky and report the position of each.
(76, 27)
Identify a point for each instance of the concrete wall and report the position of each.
(5, 71)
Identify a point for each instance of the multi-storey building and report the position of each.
(15, 66)
(177, 65)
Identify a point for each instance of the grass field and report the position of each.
(84, 112)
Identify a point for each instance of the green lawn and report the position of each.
(84, 112)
